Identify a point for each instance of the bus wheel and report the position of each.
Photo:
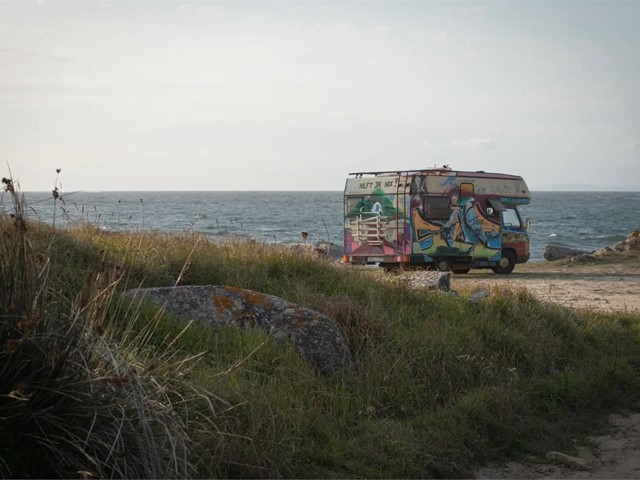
(443, 266)
(505, 264)
(461, 270)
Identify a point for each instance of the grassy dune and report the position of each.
(440, 385)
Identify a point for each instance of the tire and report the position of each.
(461, 270)
(505, 264)
(443, 266)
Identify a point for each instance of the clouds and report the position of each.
(632, 148)
(283, 87)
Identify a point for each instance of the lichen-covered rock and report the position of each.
(312, 334)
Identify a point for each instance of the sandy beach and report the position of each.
(608, 284)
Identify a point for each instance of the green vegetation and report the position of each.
(89, 384)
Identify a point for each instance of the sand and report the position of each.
(599, 287)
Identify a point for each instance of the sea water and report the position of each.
(581, 220)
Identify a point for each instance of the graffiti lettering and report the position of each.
(449, 181)
(378, 184)
(390, 183)
(501, 189)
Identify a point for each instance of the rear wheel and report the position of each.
(460, 270)
(505, 264)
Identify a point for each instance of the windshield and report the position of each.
(511, 218)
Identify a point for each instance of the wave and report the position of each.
(611, 238)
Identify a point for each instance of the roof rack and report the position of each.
(398, 172)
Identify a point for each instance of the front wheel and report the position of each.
(505, 264)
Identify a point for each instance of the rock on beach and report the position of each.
(632, 242)
(312, 334)
(554, 252)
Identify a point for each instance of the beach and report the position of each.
(610, 283)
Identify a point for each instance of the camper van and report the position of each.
(436, 218)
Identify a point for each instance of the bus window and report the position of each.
(436, 207)
(511, 218)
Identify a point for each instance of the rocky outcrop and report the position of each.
(554, 252)
(602, 252)
(330, 250)
(312, 334)
(632, 242)
(476, 297)
(431, 280)
(425, 280)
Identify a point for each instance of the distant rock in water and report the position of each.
(632, 242)
(312, 334)
(554, 252)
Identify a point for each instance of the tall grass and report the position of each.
(441, 383)
(78, 397)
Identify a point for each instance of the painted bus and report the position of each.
(436, 218)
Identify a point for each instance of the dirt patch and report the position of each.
(603, 285)
(616, 455)
(598, 292)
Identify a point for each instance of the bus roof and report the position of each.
(438, 172)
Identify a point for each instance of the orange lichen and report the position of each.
(252, 298)
(222, 303)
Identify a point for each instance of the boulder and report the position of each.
(583, 257)
(602, 252)
(430, 280)
(554, 252)
(330, 250)
(567, 460)
(312, 334)
(476, 297)
(632, 242)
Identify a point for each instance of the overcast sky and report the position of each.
(179, 95)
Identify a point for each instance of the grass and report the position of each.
(441, 384)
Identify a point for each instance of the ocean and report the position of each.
(581, 220)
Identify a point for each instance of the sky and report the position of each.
(184, 95)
